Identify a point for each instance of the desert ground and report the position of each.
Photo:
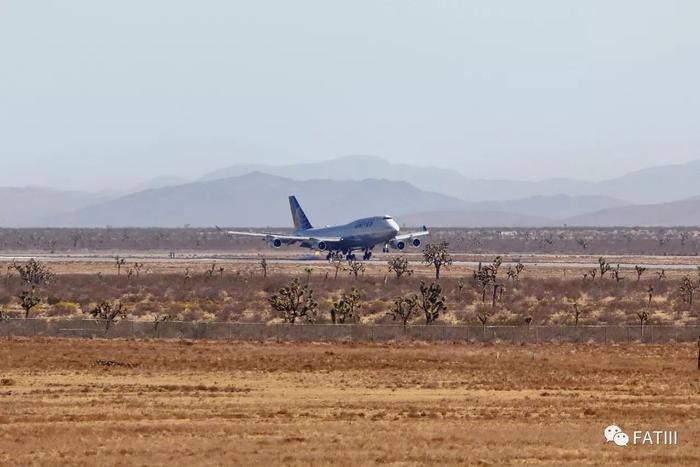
(175, 402)
(126, 402)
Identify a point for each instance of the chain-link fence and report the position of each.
(345, 332)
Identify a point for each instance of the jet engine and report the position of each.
(276, 243)
(322, 245)
(415, 242)
(400, 245)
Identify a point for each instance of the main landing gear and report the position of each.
(349, 255)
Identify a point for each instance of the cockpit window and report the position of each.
(388, 218)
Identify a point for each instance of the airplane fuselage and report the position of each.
(361, 233)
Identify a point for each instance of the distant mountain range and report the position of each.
(677, 213)
(653, 185)
(342, 189)
(256, 200)
(25, 206)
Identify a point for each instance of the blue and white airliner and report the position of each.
(361, 234)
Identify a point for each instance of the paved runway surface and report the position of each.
(543, 261)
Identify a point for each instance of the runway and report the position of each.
(536, 261)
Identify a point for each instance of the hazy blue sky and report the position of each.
(118, 92)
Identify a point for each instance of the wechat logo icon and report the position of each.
(615, 434)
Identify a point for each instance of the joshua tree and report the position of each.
(33, 275)
(616, 274)
(356, 267)
(295, 301)
(604, 266)
(403, 308)
(687, 289)
(28, 300)
(337, 261)
(399, 266)
(577, 312)
(438, 255)
(460, 286)
(484, 277)
(432, 302)
(496, 289)
(119, 262)
(483, 316)
(661, 274)
(263, 265)
(137, 269)
(514, 273)
(640, 270)
(160, 318)
(496, 264)
(108, 313)
(582, 243)
(308, 272)
(75, 238)
(209, 273)
(643, 317)
(347, 308)
(651, 294)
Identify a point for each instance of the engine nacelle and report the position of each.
(400, 245)
(276, 243)
(322, 245)
(415, 242)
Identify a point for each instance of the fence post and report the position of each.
(605, 335)
(537, 334)
(627, 332)
(651, 334)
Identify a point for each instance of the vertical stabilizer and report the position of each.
(301, 222)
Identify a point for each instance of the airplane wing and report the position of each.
(408, 236)
(286, 237)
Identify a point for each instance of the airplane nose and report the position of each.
(394, 226)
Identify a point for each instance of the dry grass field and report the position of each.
(203, 403)
(237, 291)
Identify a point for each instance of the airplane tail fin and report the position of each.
(301, 222)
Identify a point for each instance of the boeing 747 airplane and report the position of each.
(362, 234)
